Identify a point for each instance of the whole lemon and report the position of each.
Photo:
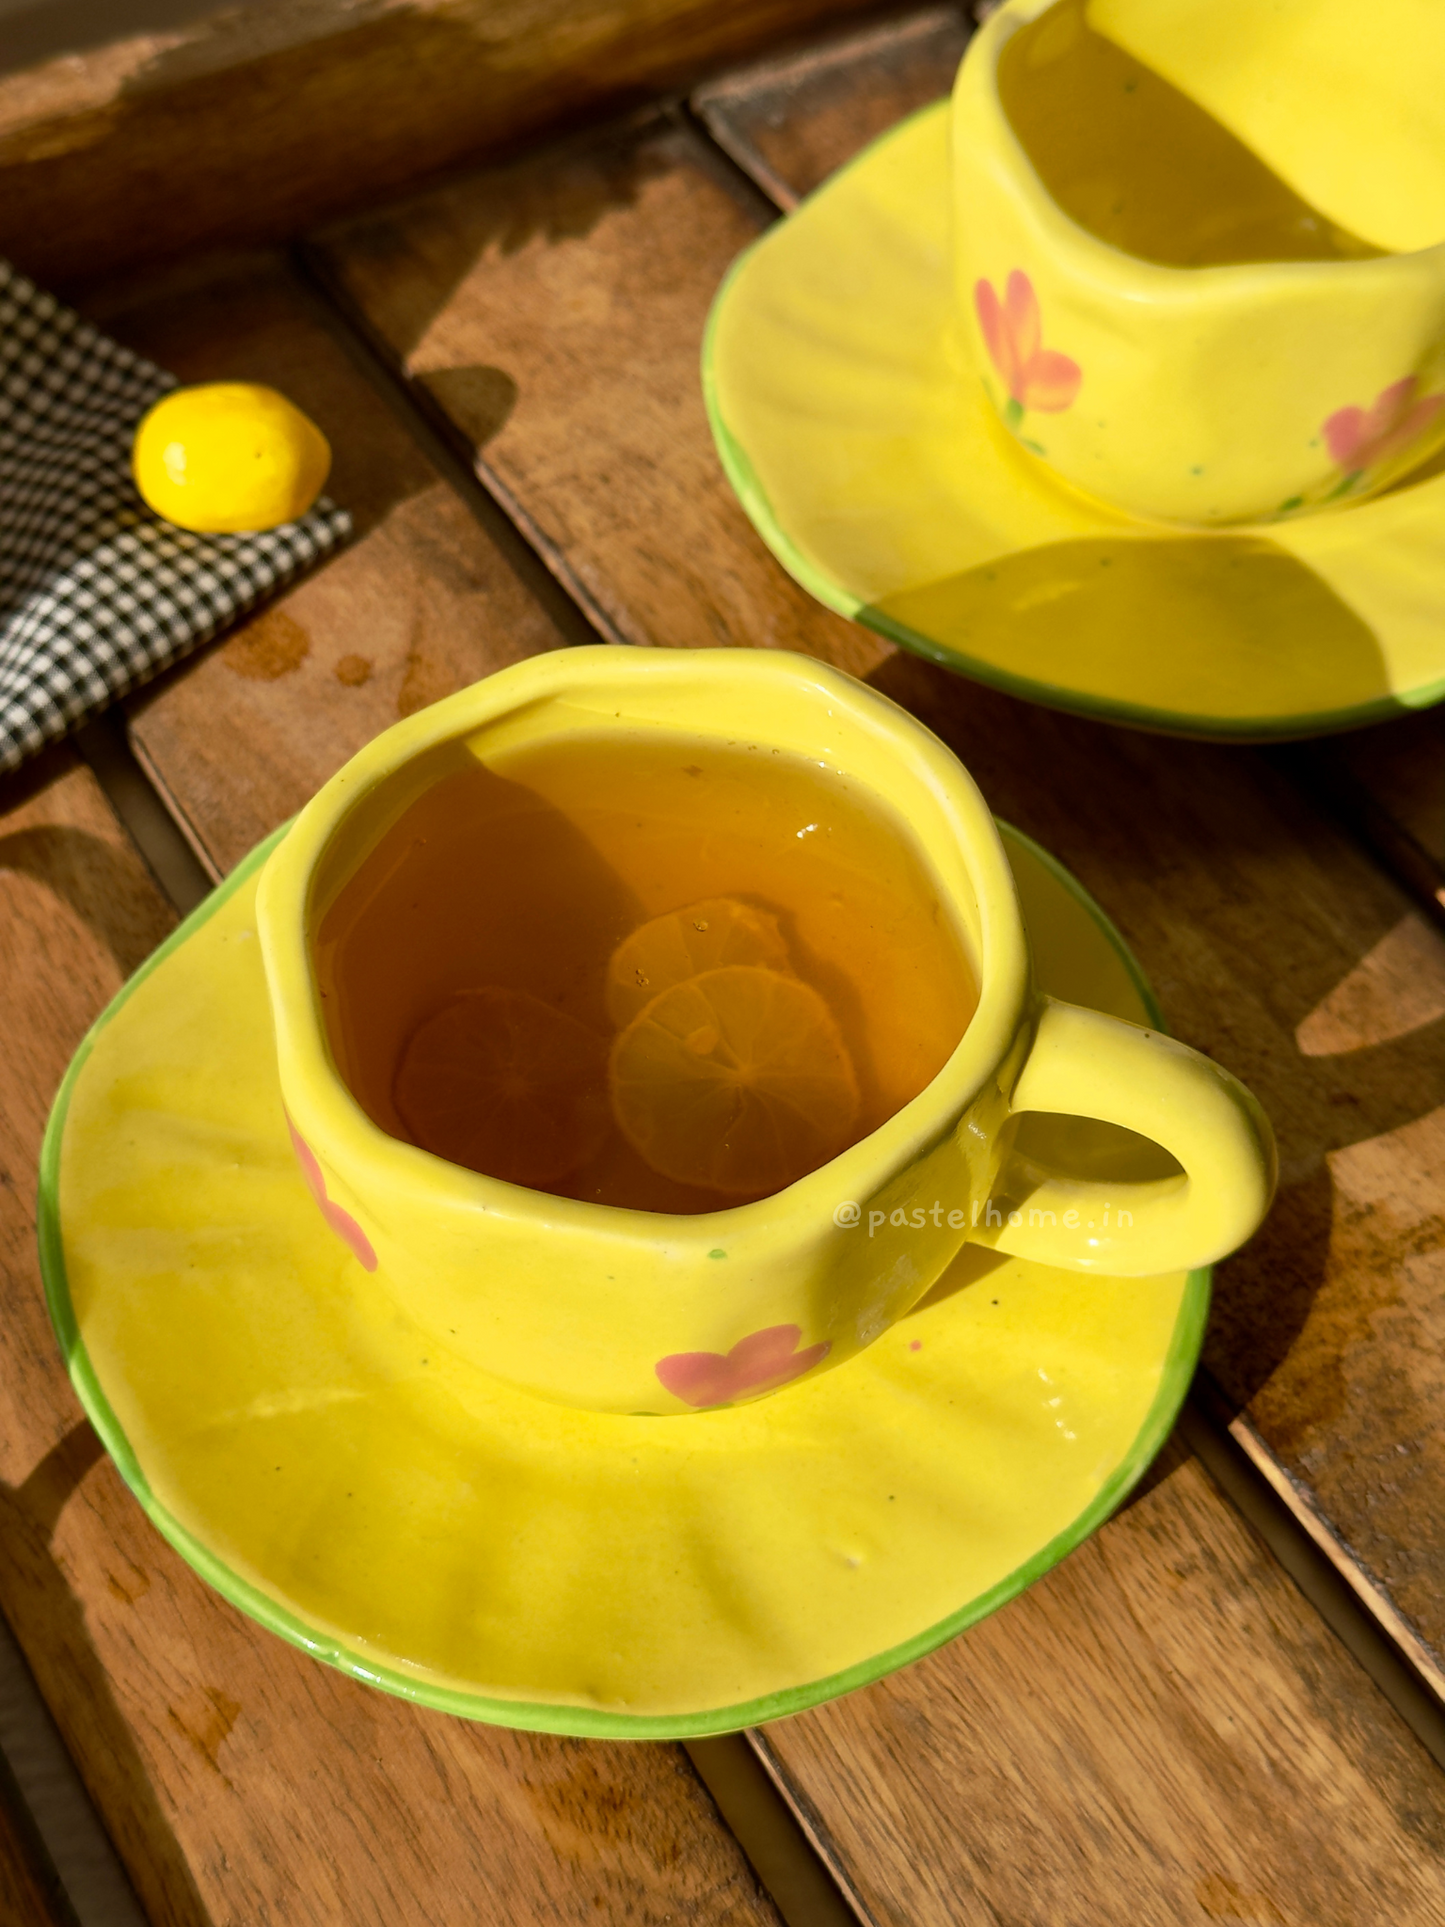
(227, 456)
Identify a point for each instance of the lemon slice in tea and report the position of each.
(504, 1084)
(670, 949)
(737, 1079)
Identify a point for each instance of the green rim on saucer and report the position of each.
(865, 451)
(460, 1544)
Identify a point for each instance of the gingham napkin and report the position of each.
(96, 593)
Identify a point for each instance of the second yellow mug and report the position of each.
(1153, 310)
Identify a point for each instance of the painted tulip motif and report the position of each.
(759, 1363)
(341, 1222)
(1036, 377)
(1361, 438)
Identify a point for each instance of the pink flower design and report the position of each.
(1035, 376)
(341, 1222)
(760, 1363)
(1360, 438)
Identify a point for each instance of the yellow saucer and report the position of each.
(864, 448)
(453, 1540)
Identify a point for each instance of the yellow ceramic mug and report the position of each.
(1156, 304)
(598, 1306)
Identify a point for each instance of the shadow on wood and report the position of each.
(257, 122)
(50, 1622)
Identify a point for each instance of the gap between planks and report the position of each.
(1240, 1464)
(769, 1830)
(1249, 1477)
(160, 831)
(70, 1843)
(579, 618)
(1243, 1481)
(807, 1888)
(536, 560)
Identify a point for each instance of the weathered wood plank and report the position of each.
(790, 122)
(422, 603)
(1275, 944)
(240, 1780)
(554, 310)
(27, 1888)
(243, 126)
(1159, 1731)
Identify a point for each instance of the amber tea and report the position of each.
(641, 970)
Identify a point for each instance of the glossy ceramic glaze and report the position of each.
(599, 1306)
(1342, 103)
(859, 435)
(434, 1532)
(1215, 394)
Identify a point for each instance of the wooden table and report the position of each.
(1225, 1707)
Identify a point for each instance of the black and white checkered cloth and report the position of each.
(97, 594)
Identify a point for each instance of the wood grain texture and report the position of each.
(554, 312)
(1274, 944)
(790, 122)
(255, 121)
(28, 1896)
(242, 1781)
(421, 604)
(1160, 1732)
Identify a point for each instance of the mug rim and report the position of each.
(1217, 282)
(368, 1154)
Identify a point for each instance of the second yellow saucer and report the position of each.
(865, 450)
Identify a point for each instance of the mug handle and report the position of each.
(1090, 1065)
